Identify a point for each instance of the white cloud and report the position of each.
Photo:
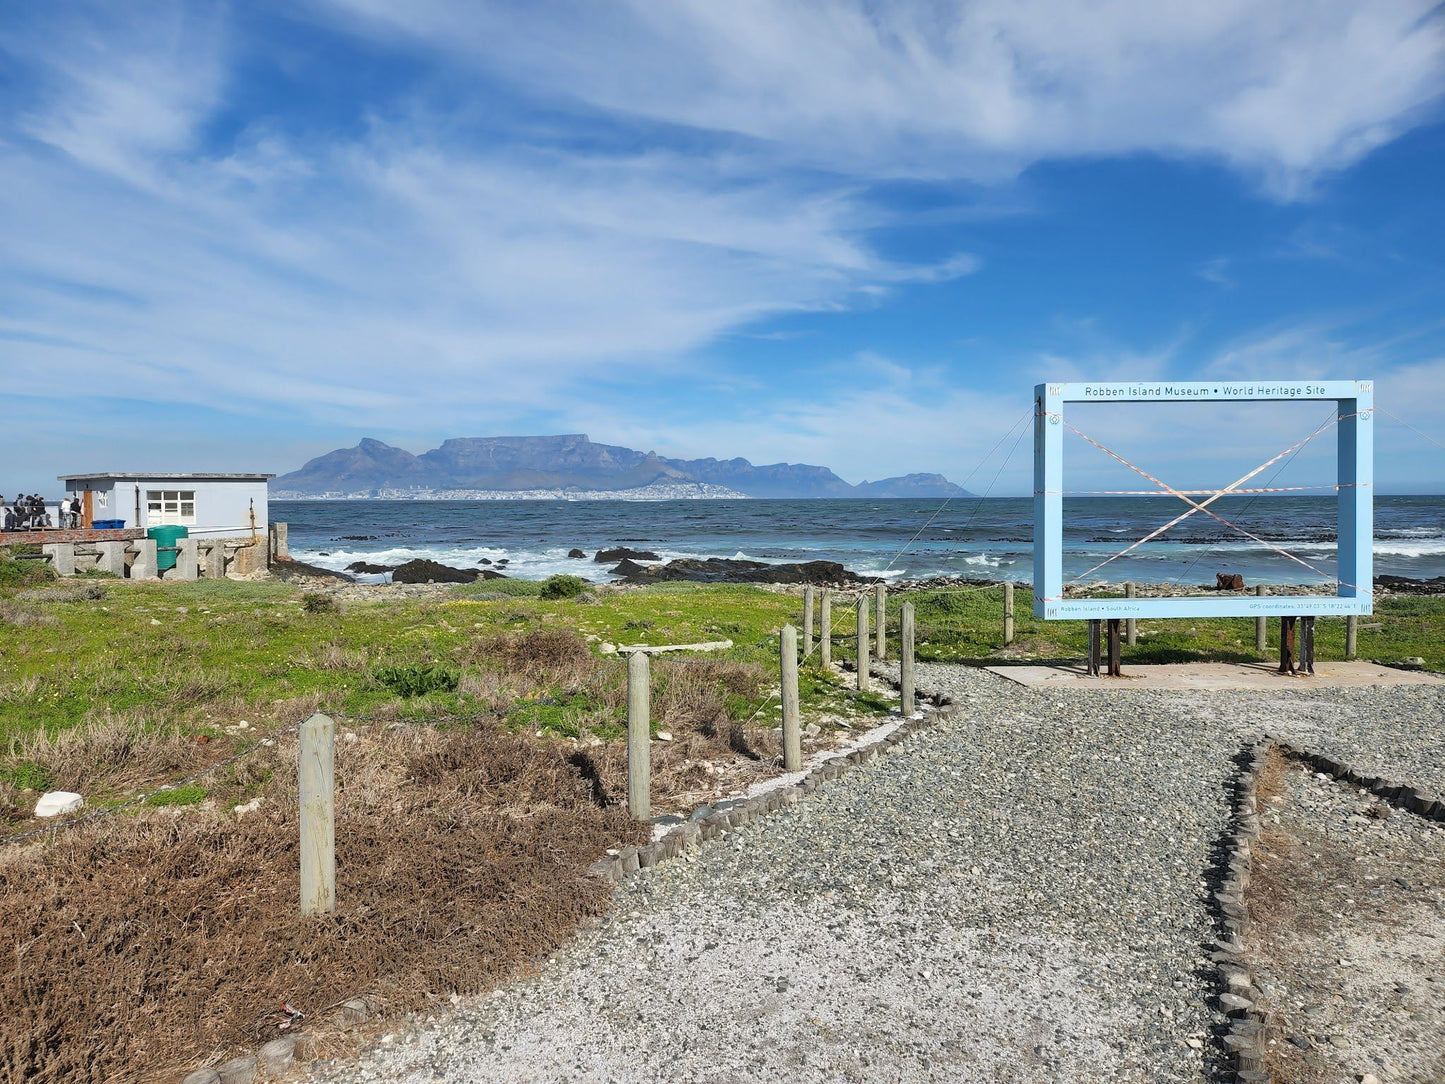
(1285, 90)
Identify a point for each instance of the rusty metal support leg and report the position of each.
(1094, 647)
(1286, 645)
(1114, 667)
(1307, 646)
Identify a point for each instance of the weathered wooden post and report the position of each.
(639, 737)
(825, 628)
(1286, 645)
(1261, 626)
(1352, 635)
(862, 643)
(905, 660)
(880, 619)
(792, 736)
(807, 619)
(1131, 627)
(316, 771)
(1008, 614)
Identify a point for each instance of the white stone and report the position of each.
(57, 802)
(249, 807)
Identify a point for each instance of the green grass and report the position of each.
(968, 625)
(198, 656)
(186, 794)
(24, 774)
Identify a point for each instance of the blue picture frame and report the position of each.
(1354, 592)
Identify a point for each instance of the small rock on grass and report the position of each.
(57, 803)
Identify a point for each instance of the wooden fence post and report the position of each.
(792, 737)
(825, 628)
(1261, 627)
(807, 619)
(880, 619)
(639, 737)
(905, 661)
(1131, 626)
(316, 778)
(862, 643)
(1352, 635)
(1008, 614)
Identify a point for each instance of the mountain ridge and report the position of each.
(571, 463)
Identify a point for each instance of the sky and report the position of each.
(234, 236)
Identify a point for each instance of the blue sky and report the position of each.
(235, 236)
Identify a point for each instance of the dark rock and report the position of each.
(627, 568)
(1404, 585)
(729, 570)
(357, 537)
(623, 553)
(484, 561)
(367, 567)
(423, 571)
(488, 574)
(293, 571)
(1228, 581)
(576, 554)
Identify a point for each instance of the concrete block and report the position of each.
(210, 558)
(202, 1076)
(62, 557)
(275, 1057)
(112, 557)
(239, 1070)
(280, 543)
(144, 565)
(187, 560)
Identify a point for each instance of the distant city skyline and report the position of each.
(851, 235)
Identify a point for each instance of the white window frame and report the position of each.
(167, 507)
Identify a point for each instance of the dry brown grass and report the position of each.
(144, 944)
(19, 615)
(111, 754)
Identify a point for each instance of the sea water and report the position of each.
(898, 539)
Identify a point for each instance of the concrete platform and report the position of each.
(1216, 675)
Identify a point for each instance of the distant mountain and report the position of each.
(911, 485)
(485, 466)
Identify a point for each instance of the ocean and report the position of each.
(900, 539)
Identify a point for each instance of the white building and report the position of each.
(211, 505)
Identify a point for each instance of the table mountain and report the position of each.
(568, 463)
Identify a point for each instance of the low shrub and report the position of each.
(314, 602)
(15, 572)
(557, 587)
(417, 680)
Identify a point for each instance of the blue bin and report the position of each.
(107, 524)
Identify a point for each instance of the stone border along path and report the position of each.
(1024, 891)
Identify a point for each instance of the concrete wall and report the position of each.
(136, 559)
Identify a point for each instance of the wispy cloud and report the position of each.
(1285, 91)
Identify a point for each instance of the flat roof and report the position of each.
(164, 476)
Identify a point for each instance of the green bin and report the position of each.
(165, 539)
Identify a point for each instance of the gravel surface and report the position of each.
(1016, 894)
(1348, 941)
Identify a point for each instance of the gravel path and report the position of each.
(1016, 894)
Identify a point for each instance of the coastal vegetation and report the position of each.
(481, 767)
